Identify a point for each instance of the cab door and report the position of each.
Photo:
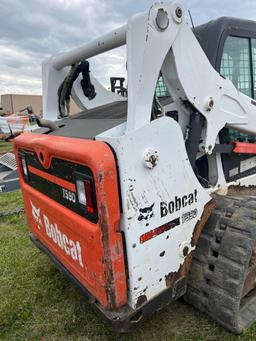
(237, 62)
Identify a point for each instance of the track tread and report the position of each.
(220, 263)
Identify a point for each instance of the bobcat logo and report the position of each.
(146, 213)
(36, 215)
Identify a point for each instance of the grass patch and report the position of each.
(38, 302)
(10, 200)
(5, 147)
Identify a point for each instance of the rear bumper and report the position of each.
(120, 320)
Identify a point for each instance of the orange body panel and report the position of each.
(100, 268)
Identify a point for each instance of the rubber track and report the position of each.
(221, 261)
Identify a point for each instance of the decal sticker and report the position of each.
(233, 172)
(36, 215)
(159, 230)
(53, 232)
(248, 164)
(146, 213)
(177, 203)
(68, 195)
(189, 216)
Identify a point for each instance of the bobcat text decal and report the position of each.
(70, 247)
(177, 203)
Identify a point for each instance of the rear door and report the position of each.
(70, 191)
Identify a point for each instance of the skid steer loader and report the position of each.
(140, 203)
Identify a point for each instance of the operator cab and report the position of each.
(230, 45)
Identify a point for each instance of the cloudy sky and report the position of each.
(33, 30)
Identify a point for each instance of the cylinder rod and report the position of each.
(102, 44)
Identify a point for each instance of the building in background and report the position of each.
(14, 103)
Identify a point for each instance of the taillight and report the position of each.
(81, 192)
(24, 166)
(89, 196)
(85, 193)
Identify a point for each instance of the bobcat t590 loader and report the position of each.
(142, 200)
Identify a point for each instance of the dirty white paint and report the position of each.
(144, 191)
(169, 191)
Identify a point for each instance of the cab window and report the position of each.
(236, 64)
(161, 89)
(254, 66)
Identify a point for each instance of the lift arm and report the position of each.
(158, 40)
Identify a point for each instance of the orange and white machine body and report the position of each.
(118, 212)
